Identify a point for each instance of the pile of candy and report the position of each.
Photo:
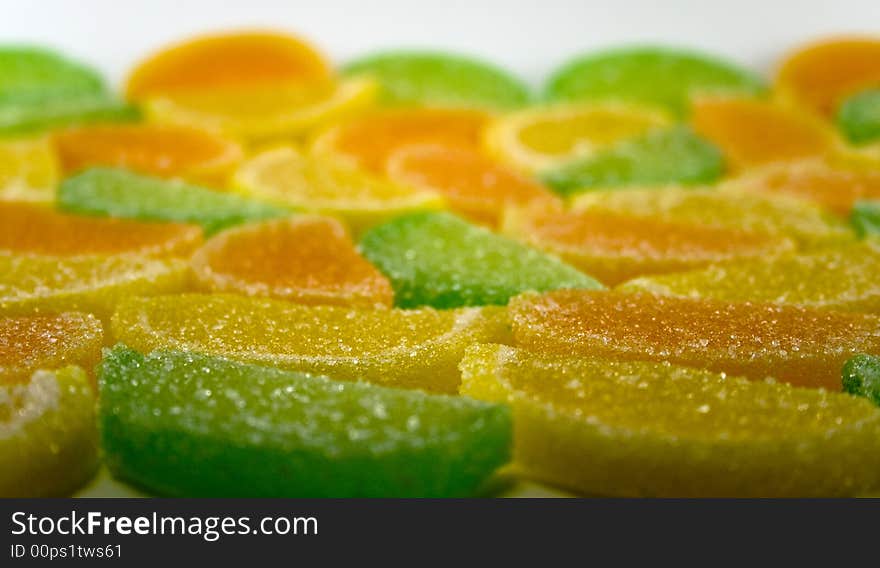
(257, 275)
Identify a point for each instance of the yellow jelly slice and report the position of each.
(28, 170)
(632, 429)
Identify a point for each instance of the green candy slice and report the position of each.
(660, 157)
(120, 193)
(44, 72)
(29, 112)
(861, 377)
(657, 76)
(865, 218)
(441, 79)
(183, 424)
(858, 118)
(439, 260)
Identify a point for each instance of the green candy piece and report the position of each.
(441, 79)
(861, 377)
(43, 72)
(859, 117)
(660, 157)
(657, 76)
(183, 424)
(121, 193)
(865, 218)
(29, 112)
(439, 260)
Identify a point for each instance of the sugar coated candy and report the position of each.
(636, 429)
(26, 113)
(439, 260)
(310, 260)
(396, 348)
(792, 344)
(861, 377)
(858, 117)
(33, 71)
(190, 425)
(28, 170)
(866, 218)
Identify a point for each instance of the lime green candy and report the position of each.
(183, 424)
(33, 70)
(29, 112)
(439, 260)
(440, 79)
(657, 76)
(660, 157)
(861, 377)
(120, 193)
(859, 117)
(865, 218)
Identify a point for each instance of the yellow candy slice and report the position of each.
(654, 429)
(28, 170)
(399, 348)
(48, 434)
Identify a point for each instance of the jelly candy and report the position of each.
(801, 346)
(27, 114)
(367, 141)
(473, 185)
(859, 117)
(37, 72)
(304, 183)
(399, 348)
(668, 156)
(753, 132)
(224, 61)
(861, 377)
(436, 259)
(48, 434)
(440, 79)
(836, 278)
(30, 343)
(35, 229)
(658, 76)
(624, 428)
(120, 193)
(28, 170)
(866, 218)
(541, 138)
(614, 247)
(189, 425)
(310, 260)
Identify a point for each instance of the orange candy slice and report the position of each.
(161, 150)
(819, 76)
(752, 132)
(474, 185)
(310, 260)
(367, 142)
(802, 346)
(35, 229)
(227, 60)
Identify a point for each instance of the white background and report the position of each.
(529, 36)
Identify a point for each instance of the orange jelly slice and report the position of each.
(752, 132)
(35, 229)
(368, 141)
(227, 60)
(310, 260)
(473, 185)
(802, 346)
(153, 149)
(615, 247)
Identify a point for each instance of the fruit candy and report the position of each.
(310, 260)
(440, 79)
(662, 77)
(367, 141)
(91, 284)
(119, 193)
(614, 247)
(668, 156)
(801, 346)
(29, 113)
(48, 434)
(436, 259)
(859, 117)
(866, 218)
(753, 132)
(35, 229)
(861, 377)
(625, 428)
(285, 177)
(29, 343)
(37, 72)
(474, 186)
(837, 278)
(399, 348)
(189, 425)
(28, 170)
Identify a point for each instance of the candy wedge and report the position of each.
(120, 193)
(399, 348)
(866, 218)
(28, 170)
(33, 112)
(439, 260)
(859, 117)
(48, 434)
(801, 346)
(34, 71)
(189, 425)
(636, 429)
(861, 377)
